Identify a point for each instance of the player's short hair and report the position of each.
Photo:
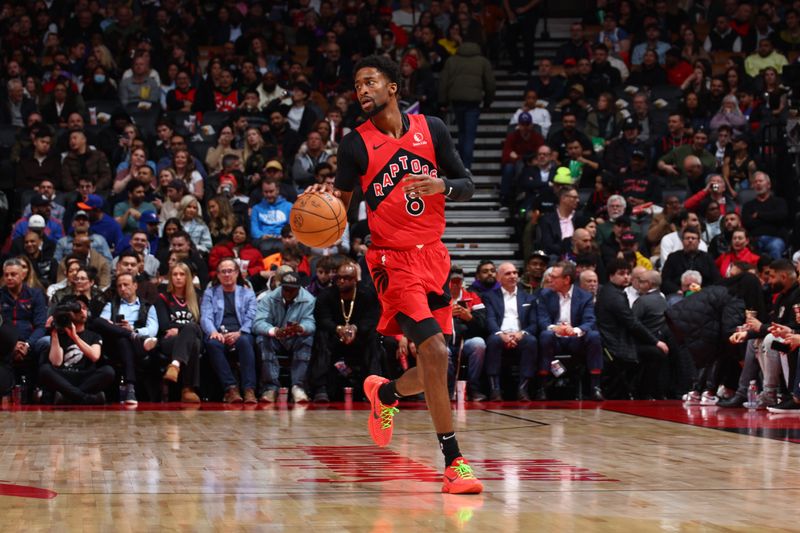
(383, 64)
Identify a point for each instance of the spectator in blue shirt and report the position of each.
(40, 205)
(652, 32)
(268, 218)
(102, 223)
(226, 316)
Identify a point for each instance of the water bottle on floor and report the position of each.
(23, 390)
(752, 395)
(123, 389)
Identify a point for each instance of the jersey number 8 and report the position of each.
(414, 205)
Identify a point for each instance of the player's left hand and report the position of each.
(423, 185)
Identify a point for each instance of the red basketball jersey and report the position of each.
(396, 220)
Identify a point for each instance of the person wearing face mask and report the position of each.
(99, 86)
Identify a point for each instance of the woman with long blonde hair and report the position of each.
(105, 58)
(30, 278)
(256, 152)
(191, 218)
(179, 334)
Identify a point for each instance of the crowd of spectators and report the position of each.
(153, 152)
(663, 135)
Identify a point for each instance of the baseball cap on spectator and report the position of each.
(456, 272)
(563, 176)
(36, 222)
(229, 179)
(148, 217)
(639, 154)
(81, 214)
(577, 87)
(570, 62)
(623, 220)
(92, 202)
(630, 123)
(274, 165)
(75, 298)
(176, 184)
(796, 257)
(540, 253)
(627, 239)
(40, 200)
(525, 118)
(411, 60)
(290, 280)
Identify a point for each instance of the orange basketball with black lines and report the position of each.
(318, 219)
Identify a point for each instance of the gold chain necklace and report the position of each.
(348, 315)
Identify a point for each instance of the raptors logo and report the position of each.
(381, 278)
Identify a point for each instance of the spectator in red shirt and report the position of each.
(715, 190)
(182, 97)
(740, 251)
(678, 69)
(521, 141)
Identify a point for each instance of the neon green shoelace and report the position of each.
(387, 414)
(464, 471)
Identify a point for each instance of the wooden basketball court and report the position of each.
(566, 466)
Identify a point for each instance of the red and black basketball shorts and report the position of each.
(413, 282)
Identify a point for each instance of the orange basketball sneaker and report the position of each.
(381, 417)
(460, 479)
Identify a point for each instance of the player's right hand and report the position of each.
(323, 187)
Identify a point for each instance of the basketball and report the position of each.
(318, 219)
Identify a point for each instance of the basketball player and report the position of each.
(396, 160)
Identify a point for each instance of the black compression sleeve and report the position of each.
(352, 162)
(458, 183)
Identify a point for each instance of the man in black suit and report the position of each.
(690, 258)
(567, 325)
(511, 317)
(623, 335)
(557, 226)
